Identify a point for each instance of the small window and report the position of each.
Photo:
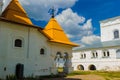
(118, 53)
(81, 56)
(18, 43)
(108, 54)
(93, 54)
(104, 54)
(84, 55)
(96, 54)
(42, 51)
(116, 34)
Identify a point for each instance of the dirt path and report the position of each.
(79, 77)
(86, 77)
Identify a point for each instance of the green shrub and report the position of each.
(11, 77)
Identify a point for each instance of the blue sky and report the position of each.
(79, 18)
(97, 10)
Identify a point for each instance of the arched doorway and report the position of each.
(57, 59)
(80, 67)
(65, 57)
(19, 72)
(92, 67)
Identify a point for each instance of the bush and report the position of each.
(11, 77)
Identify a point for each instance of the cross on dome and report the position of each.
(52, 12)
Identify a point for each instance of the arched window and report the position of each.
(18, 43)
(118, 53)
(116, 34)
(42, 51)
(80, 67)
(57, 59)
(92, 67)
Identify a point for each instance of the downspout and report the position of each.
(28, 43)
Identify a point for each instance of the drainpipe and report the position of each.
(28, 46)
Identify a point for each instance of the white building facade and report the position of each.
(28, 50)
(104, 55)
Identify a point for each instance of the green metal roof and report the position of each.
(100, 45)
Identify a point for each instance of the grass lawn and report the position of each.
(108, 75)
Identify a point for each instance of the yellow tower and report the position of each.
(15, 12)
(56, 33)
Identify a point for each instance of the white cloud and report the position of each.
(90, 39)
(38, 9)
(71, 23)
(5, 3)
(88, 25)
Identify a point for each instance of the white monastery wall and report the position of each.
(111, 63)
(28, 54)
(108, 27)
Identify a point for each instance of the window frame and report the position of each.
(83, 56)
(18, 43)
(15, 38)
(94, 54)
(117, 56)
(106, 54)
(42, 51)
(116, 34)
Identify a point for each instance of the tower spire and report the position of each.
(52, 12)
